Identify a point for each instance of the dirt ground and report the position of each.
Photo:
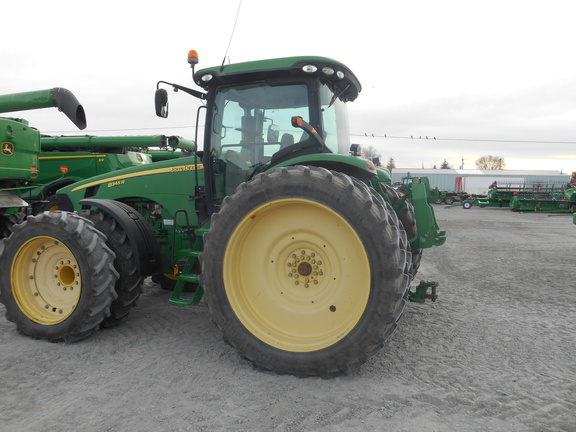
(496, 352)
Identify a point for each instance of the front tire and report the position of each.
(304, 271)
(57, 279)
(129, 284)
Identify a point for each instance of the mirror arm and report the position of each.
(190, 91)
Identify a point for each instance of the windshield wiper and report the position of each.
(335, 96)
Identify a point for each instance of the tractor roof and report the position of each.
(333, 71)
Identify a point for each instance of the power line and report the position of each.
(426, 137)
(371, 135)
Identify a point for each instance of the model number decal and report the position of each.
(119, 180)
(184, 168)
(116, 183)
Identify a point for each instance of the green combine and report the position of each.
(20, 147)
(303, 253)
(34, 166)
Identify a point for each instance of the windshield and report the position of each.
(250, 124)
(335, 121)
(254, 119)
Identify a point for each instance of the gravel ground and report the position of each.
(495, 352)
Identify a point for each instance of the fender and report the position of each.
(362, 169)
(141, 235)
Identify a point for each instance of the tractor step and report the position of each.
(189, 278)
(187, 275)
(176, 300)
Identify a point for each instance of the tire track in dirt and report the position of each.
(494, 353)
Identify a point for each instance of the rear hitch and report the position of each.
(421, 293)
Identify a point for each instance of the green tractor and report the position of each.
(305, 254)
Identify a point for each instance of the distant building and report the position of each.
(479, 181)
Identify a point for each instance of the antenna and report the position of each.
(230, 41)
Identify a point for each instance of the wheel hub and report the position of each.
(305, 268)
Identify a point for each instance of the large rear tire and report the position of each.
(129, 284)
(304, 271)
(57, 279)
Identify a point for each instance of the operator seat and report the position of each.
(287, 140)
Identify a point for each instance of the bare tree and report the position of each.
(370, 152)
(491, 163)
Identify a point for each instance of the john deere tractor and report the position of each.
(305, 254)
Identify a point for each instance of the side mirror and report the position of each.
(355, 150)
(273, 133)
(161, 103)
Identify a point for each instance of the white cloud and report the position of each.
(477, 69)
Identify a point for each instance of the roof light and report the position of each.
(309, 68)
(206, 77)
(192, 57)
(340, 74)
(328, 70)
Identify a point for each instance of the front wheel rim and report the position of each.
(46, 280)
(296, 275)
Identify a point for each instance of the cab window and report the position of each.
(250, 124)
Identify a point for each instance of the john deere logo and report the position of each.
(7, 148)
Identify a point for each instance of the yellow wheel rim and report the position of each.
(46, 280)
(296, 275)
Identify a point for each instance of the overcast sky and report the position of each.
(482, 77)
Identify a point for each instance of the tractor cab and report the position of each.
(263, 113)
